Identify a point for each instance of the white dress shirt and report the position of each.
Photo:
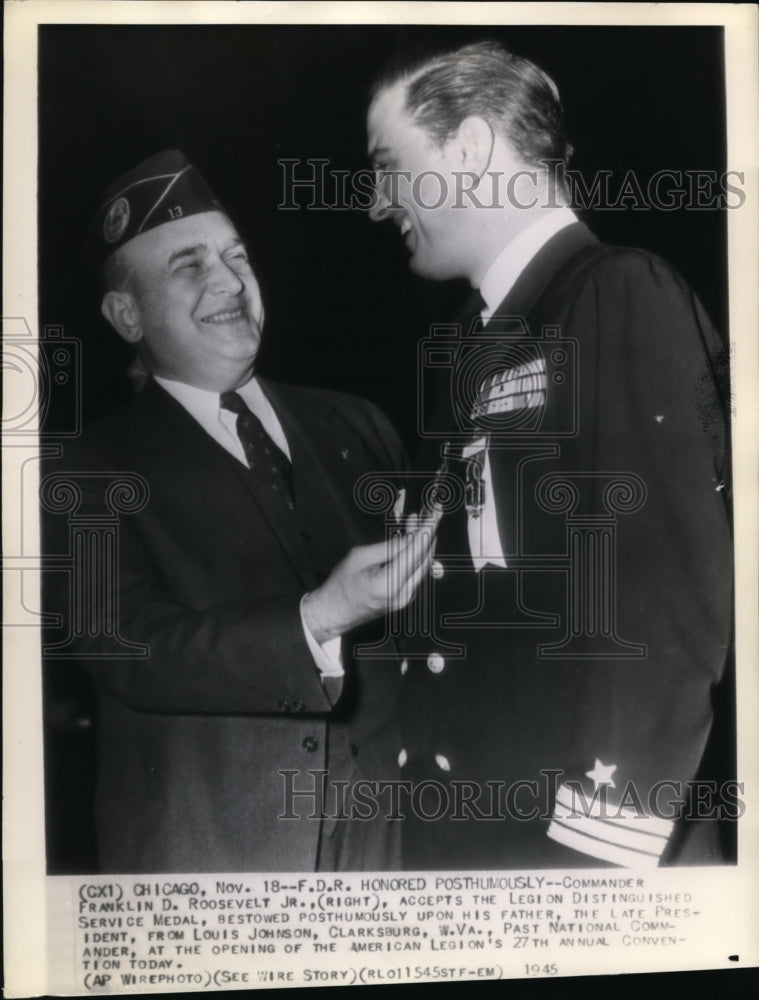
(221, 424)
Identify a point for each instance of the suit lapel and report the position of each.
(164, 427)
(320, 454)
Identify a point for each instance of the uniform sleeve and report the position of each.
(650, 408)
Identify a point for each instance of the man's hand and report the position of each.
(370, 581)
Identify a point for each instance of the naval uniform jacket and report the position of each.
(192, 737)
(581, 658)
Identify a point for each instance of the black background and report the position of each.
(343, 310)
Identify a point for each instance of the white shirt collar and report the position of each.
(515, 256)
(199, 403)
(204, 406)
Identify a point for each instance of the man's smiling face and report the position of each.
(414, 186)
(197, 297)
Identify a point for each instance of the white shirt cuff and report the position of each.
(327, 656)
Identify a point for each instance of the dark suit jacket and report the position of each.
(575, 655)
(210, 576)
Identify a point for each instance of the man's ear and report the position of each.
(121, 311)
(475, 141)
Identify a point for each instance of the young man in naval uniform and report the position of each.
(243, 569)
(559, 703)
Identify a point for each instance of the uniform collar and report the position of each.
(514, 258)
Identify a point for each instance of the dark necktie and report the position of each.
(263, 455)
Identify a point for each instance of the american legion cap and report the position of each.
(161, 189)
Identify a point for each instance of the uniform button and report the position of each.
(298, 706)
(402, 758)
(404, 668)
(436, 569)
(442, 762)
(435, 662)
(311, 744)
(354, 748)
(284, 706)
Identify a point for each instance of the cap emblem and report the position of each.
(116, 220)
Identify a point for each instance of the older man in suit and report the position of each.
(244, 572)
(557, 711)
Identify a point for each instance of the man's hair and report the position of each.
(115, 273)
(518, 100)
